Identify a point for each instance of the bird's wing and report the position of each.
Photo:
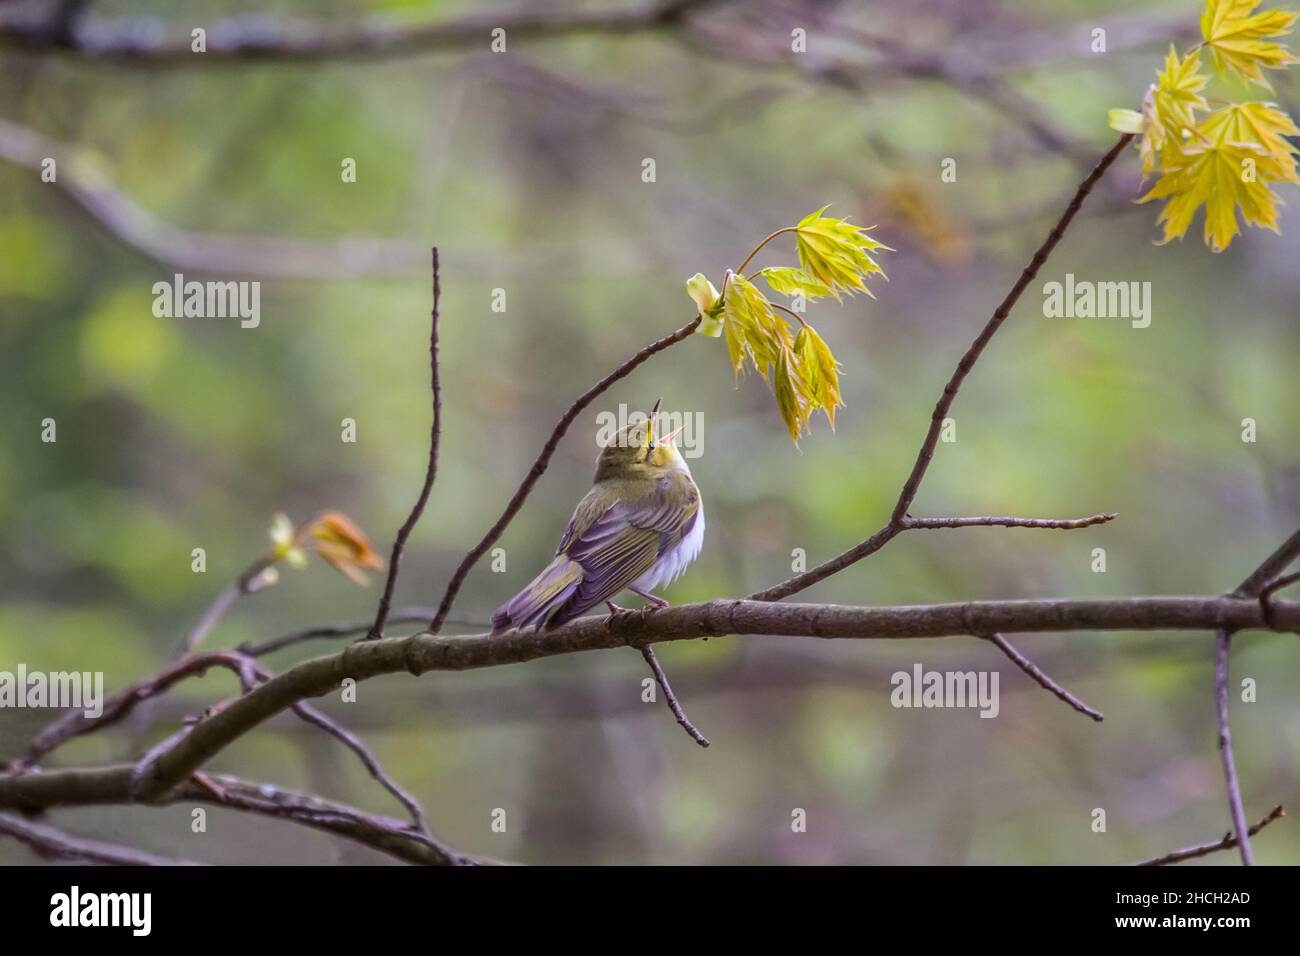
(619, 545)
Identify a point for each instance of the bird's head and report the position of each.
(639, 451)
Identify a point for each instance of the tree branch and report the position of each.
(97, 786)
(1273, 566)
(1222, 639)
(1064, 524)
(543, 460)
(1259, 585)
(404, 615)
(671, 699)
(425, 652)
(1205, 849)
(898, 520)
(49, 842)
(237, 40)
(75, 723)
(1032, 669)
(431, 471)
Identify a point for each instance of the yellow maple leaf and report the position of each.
(1262, 125)
(1171, 105)
(1215, 175)
(1238, 38)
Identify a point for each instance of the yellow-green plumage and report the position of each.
(640, 524)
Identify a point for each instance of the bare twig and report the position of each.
(401, 615)
(424, 652)
(1035, 672)
(1064, 524)
(670, 698)
(1222, 640)
(898, 520)
(543, 459)
(249, 582)
(1259, 584)
(47, 841)
(1205, 849)
(430, 472)
(1273, 565)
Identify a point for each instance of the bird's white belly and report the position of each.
(675, 560)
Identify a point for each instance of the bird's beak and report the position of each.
(654, 417)
(668, 439)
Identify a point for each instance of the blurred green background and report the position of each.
(525, 169)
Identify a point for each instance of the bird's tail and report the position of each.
(535, 603)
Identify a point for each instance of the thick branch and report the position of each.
(544, 459)
(75, 723)
(425, 652)
(898, 519)
(112, 785)
(241, 39)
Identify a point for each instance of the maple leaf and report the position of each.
(1213, 175)
(1238, 38)
(837, 253)
(1262, 125)
(788, 280)
(821, 372)
(1171, 105)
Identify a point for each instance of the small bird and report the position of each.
(638, 527)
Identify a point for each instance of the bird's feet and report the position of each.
(617, 610)
(654, 599)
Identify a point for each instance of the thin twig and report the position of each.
(248, 582)
(1273, 565)
(898, 519)
(50, 842)
(1222, 640)
(401, 615)
(1205, 849)
(1256, 585)
(430, 472)
(544, 459)
(1033, 670)
(670, 698)
(1065, 524)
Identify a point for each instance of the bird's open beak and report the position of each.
(654, 417)
(668, 439)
